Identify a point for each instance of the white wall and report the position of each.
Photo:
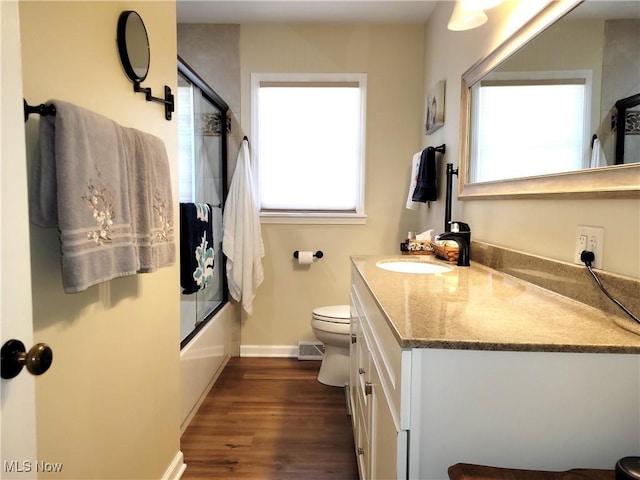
(109, 405)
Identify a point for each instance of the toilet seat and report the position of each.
(333, 314)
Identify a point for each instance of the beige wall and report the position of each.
(109, 406)
(541, 227)
(392, 58)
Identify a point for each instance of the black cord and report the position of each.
(587, 258)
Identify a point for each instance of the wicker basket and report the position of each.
(446, 252)
(407, 250)
(418, 252)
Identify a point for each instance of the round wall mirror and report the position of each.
(133, 45)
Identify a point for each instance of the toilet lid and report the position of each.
(333, 313)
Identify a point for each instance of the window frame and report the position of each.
(308, 216)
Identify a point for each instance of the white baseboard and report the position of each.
(286, 351)
(176, 468)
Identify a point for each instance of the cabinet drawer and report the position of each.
(392, 362)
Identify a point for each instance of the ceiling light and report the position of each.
(480, 4)
(465, 19)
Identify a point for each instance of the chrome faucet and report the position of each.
(461, 234)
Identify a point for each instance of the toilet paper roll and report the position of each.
(305, 258)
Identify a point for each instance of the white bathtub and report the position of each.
(203, 359)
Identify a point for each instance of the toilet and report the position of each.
(331, 325)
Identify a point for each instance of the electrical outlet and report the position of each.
(592, 240)
(581, 244)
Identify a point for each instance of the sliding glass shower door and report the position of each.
(203, 152)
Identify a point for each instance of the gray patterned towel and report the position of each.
(80, 185)
(113, 209)
(151, 201)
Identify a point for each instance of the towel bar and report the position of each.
(41, 109)
(441, 149)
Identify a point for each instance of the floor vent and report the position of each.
(310, 350)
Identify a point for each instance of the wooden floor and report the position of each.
(269, 418)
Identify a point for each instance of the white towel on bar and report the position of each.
(415, 166)
(242, 237)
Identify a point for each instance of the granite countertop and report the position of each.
(478, 308)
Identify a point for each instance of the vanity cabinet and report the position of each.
(418, 409)
(375, 390)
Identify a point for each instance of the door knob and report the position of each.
(14, 356)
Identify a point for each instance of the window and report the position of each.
(308, 147)
(548, 138)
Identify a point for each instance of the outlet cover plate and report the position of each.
(593, 237)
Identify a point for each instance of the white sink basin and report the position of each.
(413, 267)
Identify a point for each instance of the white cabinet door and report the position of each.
(388, 444)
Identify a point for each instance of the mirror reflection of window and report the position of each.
(535, 118)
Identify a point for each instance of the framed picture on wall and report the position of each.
(434, 116)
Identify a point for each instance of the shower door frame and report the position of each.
(211, 96)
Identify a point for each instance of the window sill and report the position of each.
(314, 218)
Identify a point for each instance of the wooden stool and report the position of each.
(466, 471)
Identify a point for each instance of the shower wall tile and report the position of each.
(213, 50)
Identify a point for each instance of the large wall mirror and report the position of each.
(555, 110)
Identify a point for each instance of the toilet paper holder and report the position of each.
(317, 254)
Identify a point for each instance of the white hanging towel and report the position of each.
(415, 165)
(598, 158)
(242, 237)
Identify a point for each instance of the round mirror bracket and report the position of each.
(168, 101)
(133, 47)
